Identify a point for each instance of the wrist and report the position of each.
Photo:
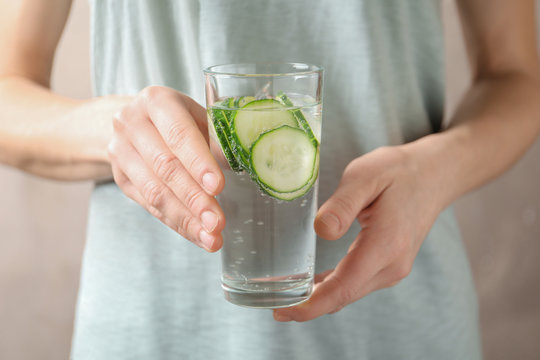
(439, 164)
(93, 139)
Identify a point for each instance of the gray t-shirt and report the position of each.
(146, 293)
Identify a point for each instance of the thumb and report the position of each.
(337, 214)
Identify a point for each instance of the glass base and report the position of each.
(268, 299)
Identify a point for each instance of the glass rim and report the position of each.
(311, 69)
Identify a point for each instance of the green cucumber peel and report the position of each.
(220, 123)
(271, 165)
(299, 116)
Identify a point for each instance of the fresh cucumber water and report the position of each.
(268, 248)
(270, 203)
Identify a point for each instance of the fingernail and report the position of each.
(282, 317)
(210, 182)
(209, 221)
(206, 239)
(331, 221)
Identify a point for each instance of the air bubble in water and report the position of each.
(260, 223)
(238, 240)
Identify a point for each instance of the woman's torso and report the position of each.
(148, 293)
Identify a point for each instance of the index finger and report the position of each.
(169, 112)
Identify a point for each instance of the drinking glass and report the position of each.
(264, 125)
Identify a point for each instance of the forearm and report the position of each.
(53, 136)
(497, 121)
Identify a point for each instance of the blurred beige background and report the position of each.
(42, 231)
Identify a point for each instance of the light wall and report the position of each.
(42, 228)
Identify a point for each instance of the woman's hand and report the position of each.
(396, 200)
(160, 158)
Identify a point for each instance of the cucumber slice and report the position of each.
(283, 159)
(243, 100)
(289, 196)
(257, 117)
(226, 116)
(221, 126)
(299, 116)
(228, 104)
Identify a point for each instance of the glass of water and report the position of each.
(264, 122)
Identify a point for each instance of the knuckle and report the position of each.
(345, 294)
(398, 157)
(174, 226)
(118, 123)
(194, 161)
(151, 93)
(166, 167)
(177, 135)
(344, 205)
(402, 270)
(122, 182)
(358, 170)
(120, 120)
(382, 149)
(397, 152)
(126, 186)
(156, 95)
(153, 194)
(351, 167)
(113, 148)
(155, 212)
(185, 223)
(389, 151)
(193, 197)
(184, 233)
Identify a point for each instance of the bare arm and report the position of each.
(396, 193)
(41, 132)
(499, 116)
(155, 147)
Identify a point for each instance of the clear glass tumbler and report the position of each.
(265, 131)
